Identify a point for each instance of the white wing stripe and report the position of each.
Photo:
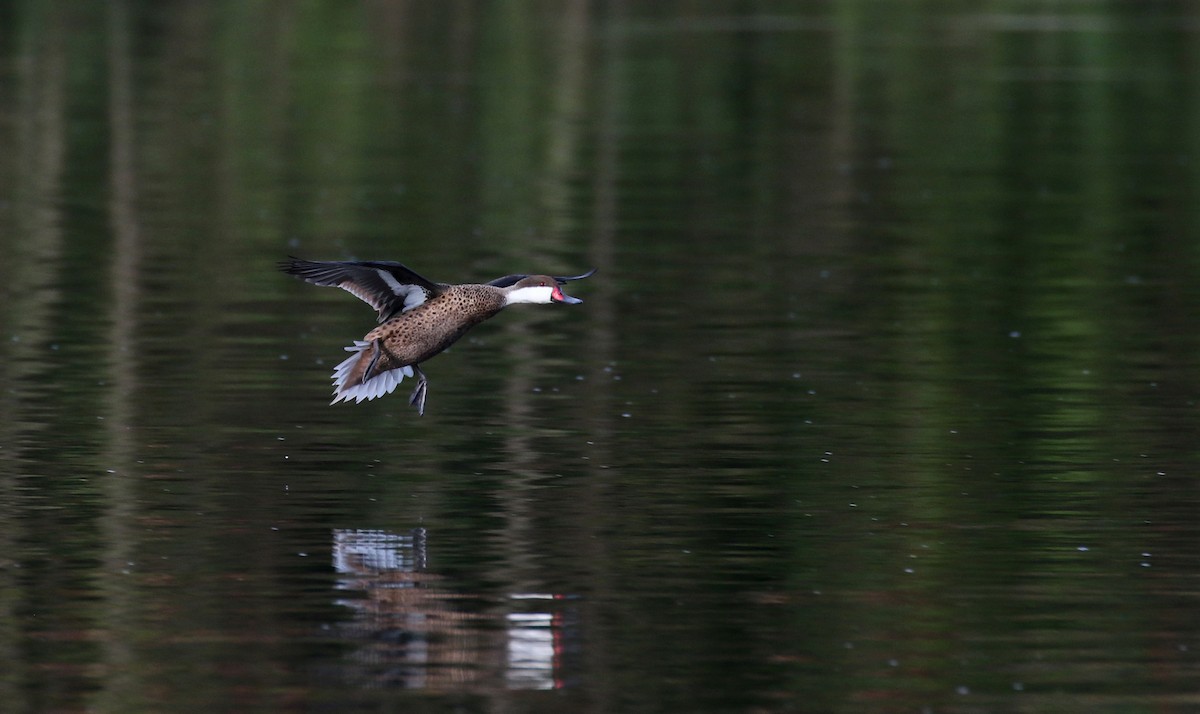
(397, 288)
(413, 295)
(416, 296)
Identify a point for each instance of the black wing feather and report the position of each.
(560, 279)
(387, 286)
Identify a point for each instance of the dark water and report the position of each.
(884, 398)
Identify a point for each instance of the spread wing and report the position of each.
(560, 279)
(389, 287)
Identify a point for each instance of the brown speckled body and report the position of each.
(424, 331)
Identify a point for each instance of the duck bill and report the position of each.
(559, 296)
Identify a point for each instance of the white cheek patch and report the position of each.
(535, 294)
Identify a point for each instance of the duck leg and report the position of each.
(377, 352)
(418, 396)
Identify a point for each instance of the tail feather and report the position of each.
(348, 376)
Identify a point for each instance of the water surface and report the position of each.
(883, 398)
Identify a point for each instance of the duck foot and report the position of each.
(418, 396)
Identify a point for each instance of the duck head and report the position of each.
(538, 289)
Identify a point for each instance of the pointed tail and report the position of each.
(366, 374)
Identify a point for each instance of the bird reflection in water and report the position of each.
(413, 631)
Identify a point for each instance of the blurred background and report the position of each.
(883, 397)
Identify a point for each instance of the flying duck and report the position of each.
(418, 318)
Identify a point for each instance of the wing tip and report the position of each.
(566, 278)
